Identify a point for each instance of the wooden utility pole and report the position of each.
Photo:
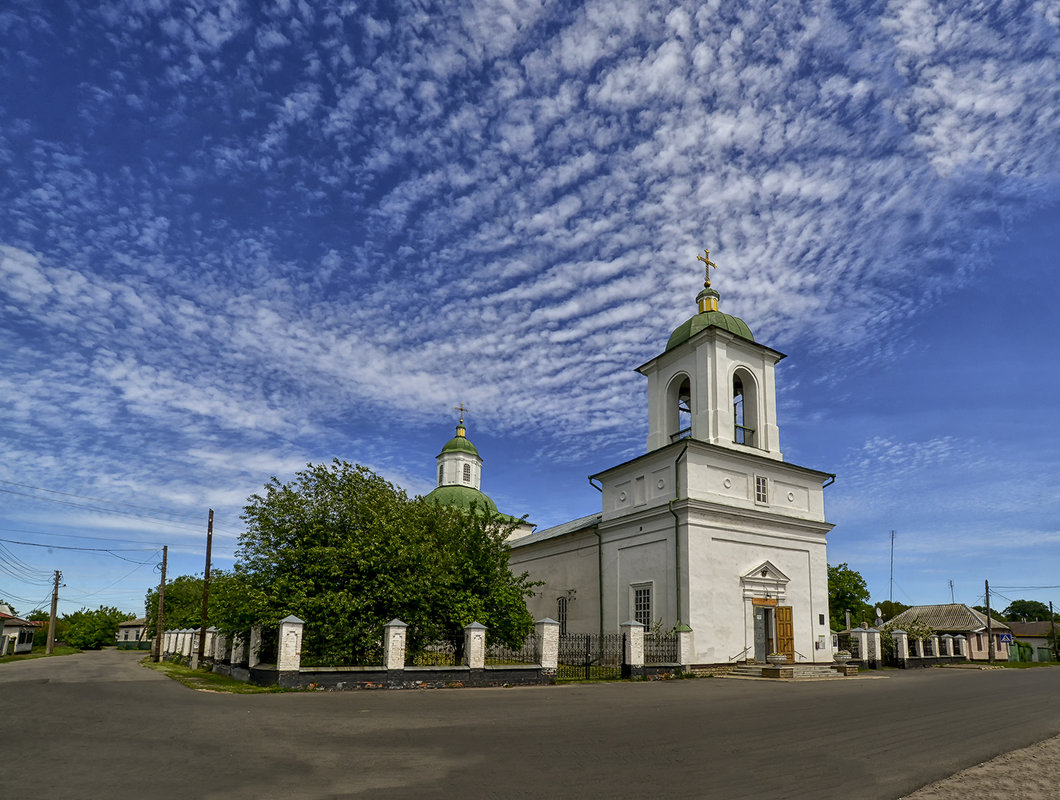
(205, 591)
(157, 656)
(1052, 621)
(51, 620)
(989, 627)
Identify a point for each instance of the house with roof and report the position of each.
(16, 634)
(1040, 635)
(710, 529)
(133, 635)
(957, 618)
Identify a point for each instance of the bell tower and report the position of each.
(714, 383)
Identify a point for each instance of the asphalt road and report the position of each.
(97, 725)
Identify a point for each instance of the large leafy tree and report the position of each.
(346, 551)
(1029, 610)
(91, 630)
(183, 602)
(847, 590)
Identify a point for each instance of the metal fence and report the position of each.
(584, 656)
(440, 653)
(661, 648)
(500, 655)
(270, 644)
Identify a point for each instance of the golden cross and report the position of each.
(462, 411)
(706, 260)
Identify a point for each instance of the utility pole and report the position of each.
(157, 655)
(205, 591)
(1052, 621)
(51, 620)
(989, 627)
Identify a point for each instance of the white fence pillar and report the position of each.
(220, 647)
(255, 646)
(475, 645)
(633, 634)
(289, 649)
(935, 645)
(861, 636)
(394, 644)
(547, 636)
(901, 644)
(239, 649)
(947, 644)
(960, 645)
(686, 645)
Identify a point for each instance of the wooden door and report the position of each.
(786, 633)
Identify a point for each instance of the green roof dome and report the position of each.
(460, 443)
(461, 496)
(690, 327)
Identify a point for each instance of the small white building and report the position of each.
(710, 529)
(132, 634)
(16, 634)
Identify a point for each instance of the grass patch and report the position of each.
(208, 681)
(58, 651)
(1024, 664)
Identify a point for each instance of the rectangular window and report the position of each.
(561, 615)
(761, 489)
(642, 611)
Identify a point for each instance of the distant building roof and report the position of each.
(575, 525)
(139, 622)
(951, 617)
(1035, 629)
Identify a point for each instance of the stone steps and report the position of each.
(816, 672)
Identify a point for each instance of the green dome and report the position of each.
(459, 444)
(707, 319)
(461, 496)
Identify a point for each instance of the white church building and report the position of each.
(710, 529)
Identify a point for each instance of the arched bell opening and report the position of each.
(679, 408)
(745, 408)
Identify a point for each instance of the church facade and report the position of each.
(709, 530)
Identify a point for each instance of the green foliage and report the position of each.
(847, 590)
(90, 630)
(183, 602)
(890, 609)
(916, 629)
(346, 551)
(1028, 610)
(994, 613)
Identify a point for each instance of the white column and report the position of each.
(686, 645)
(634, 643)
(875, 645)
(901, 644)
(547, 635)
(947, 644)
(960, 645)
(861, 635)
(394, 633)
(255, 646)
(475, 645)
(935, 645)
(289, 649)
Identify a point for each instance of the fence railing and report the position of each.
(590, 656)
(661, 648)
(499, 654)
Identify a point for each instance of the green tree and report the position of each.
(994, 613)
(346, 551)
(91, 630)
(889, 609)
(1029, 610)
(847, 590)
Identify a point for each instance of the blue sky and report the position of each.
(237, 238)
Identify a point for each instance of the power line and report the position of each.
(87, 497)
(69, 535)
(91, 549)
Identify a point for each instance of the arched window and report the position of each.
(744, 408)
(467, 473)
(679, 408)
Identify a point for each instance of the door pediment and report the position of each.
(765, 580)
